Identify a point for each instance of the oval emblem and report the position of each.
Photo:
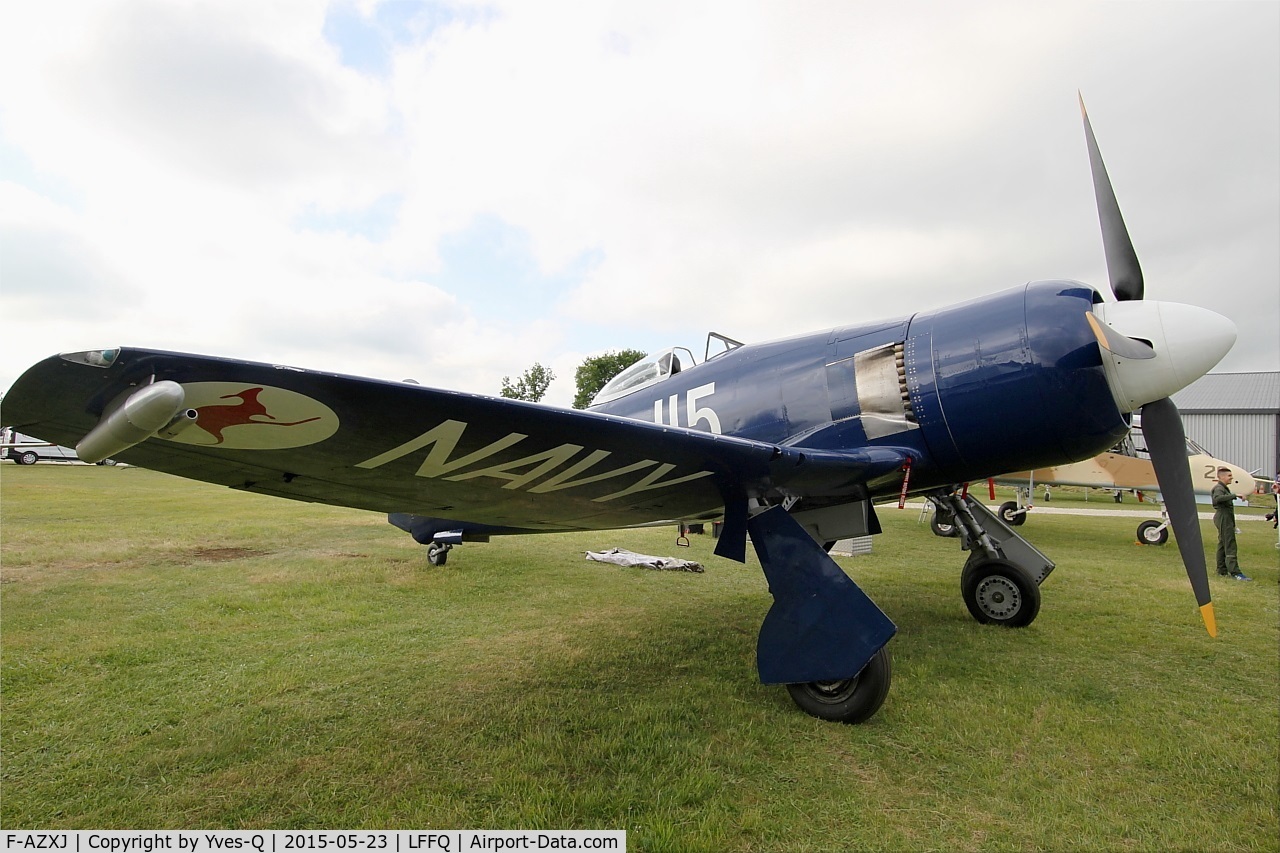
(244, 416)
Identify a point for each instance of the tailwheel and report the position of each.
(847, 700)
(999, 593)
(1152, 532)
(438, 553)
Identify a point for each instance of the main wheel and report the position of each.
(944, 524)
(848, 700)
(437, 554)
(1000, 593)
(1152, 532)
(1009, 514)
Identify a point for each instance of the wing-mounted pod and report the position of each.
(134, 416)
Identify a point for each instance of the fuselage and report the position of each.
(1006, 382)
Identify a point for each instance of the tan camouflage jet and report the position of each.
(1125, 468)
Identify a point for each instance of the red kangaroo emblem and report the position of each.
(214, 419)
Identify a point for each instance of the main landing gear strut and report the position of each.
(823, 637)
(1001, 580)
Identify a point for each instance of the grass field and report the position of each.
(175, 655)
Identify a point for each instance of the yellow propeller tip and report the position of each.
(1210, 624)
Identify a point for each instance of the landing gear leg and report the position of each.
(1001, 580)
(1015, 512)
(823, 637)
(1152, 532)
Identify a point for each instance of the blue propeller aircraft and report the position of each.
(789, 442)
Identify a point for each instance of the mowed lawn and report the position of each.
(177, 655)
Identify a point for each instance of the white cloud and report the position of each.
(225, 184)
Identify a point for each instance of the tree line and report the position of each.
(592, 375)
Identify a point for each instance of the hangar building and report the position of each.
(1236, 417)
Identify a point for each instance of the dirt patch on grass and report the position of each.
(224, 555)
(70, 561)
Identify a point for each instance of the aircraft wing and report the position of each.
(403, 448)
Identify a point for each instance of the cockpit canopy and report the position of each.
(1135, 444)
(645, 372)
(658, 366)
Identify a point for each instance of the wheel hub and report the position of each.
(834, 691)
(998, 597)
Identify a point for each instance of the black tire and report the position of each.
(944, 524)
(1000, 593)
(850, 700)
(1009, 514)
(27, 457)
(437, 555)
(1151, 532)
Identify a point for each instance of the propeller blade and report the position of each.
(1114, 342)
(1122, 261)
(1167, 444)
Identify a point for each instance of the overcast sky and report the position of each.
(453, 191)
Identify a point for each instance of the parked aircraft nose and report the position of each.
(1154, 349)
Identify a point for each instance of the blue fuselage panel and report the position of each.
(1002, 383)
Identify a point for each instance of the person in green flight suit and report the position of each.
(1224, 518)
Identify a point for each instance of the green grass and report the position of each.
(177, 655)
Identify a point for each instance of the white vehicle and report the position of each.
(25, 450)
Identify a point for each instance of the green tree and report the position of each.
(595, 372)
(532, 386)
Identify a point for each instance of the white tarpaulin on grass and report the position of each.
(623, 557)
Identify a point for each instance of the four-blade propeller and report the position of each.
(1138, 341)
